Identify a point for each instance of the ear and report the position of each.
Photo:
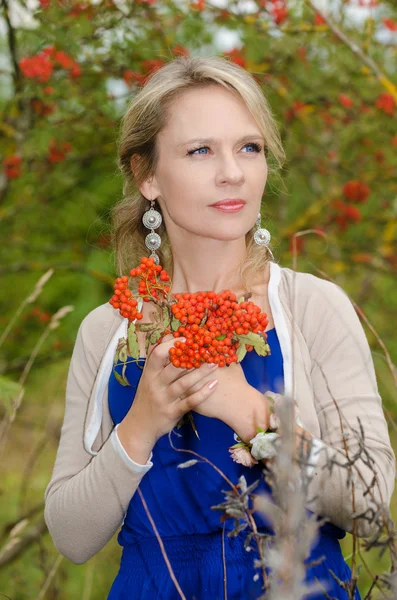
(148, 188)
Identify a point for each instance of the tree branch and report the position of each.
(18, 544)
(371, 64)
(16, 75)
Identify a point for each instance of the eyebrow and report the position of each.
(214, 141)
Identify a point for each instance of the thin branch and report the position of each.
(32, 296)
(88, 580)
(18, 544)
(9, 418)
(11, 37)
(8, 527)
(161, 543)
(224, 562)
(371, 64)
(50, 577)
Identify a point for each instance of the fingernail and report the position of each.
(212, 365)
(212, 384)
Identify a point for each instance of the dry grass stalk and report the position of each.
(9, 418)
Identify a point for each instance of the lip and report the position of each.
(229, 202)
(230, 208)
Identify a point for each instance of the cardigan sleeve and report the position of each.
(345, 388)
(87, 497)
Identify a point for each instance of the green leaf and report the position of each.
(155, 336)
(119, 378)
(123, 354)
(257, 341)
(123, 375)
(175, 324)
(239, 445)
(251, 338)
(133, 341)
(263, 350)
(146, 326)
(166, 317)
(241, 351)
(121, 351)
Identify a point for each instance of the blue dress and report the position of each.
(180, 500)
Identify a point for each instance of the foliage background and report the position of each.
(67, 72)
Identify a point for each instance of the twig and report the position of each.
(224, 562)
(234, 489)
(25, 516)
(373, 578)
(38, 288)
(9, 419)
(160, 541)
(88, 580)
(50, 577)
(18, 544)
(11, 44)
(391, 88)
(29, 465)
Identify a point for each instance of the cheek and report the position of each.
(262, 171)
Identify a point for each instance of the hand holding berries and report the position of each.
(235, 402)
(164, 395)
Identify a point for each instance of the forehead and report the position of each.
(208, 112)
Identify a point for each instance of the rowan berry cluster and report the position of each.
(211, 324)
(215, 326)
(124, 301)
(149, 285)
(149, 288)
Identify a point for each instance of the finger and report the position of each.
(194, 400)
(179, 385)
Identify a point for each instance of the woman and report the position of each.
(200, 131)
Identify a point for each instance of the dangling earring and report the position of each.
(152, 219)
(262, 236)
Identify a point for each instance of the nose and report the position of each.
(229, 169)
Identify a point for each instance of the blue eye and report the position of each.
(257, 148)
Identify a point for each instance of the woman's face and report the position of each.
(192, 175)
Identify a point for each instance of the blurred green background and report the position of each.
(67, 71)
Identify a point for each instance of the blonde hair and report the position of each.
(145, 117)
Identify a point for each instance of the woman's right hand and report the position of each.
(161, 399)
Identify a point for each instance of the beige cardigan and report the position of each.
(326, 357)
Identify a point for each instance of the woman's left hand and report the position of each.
(235, 402)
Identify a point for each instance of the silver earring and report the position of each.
(152, 219)
(262, 236)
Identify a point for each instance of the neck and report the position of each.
(213, 265)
